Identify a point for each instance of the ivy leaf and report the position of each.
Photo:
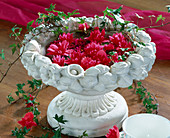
(160, 18)
(31, 84)
(139, 83)
(60, 119)
(130, 87)
(112, 53)
(36, 112)
(57, 134)
(29, 25)
(142, 29)
(73, 13)
(45, 136)
(20, 86)
(51, 8)
(2, 55)
(34, 83)
(142, 43)
(84, 134)
(13, 48)
(10, 99)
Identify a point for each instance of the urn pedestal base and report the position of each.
(93, 114)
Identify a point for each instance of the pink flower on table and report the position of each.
(97, 36)
(87, 62)
(58, 59)
(75, 57)
(58, 49)
(84, 26)
(92, 49)
(68, 37)
(113, 132)
(28, 121)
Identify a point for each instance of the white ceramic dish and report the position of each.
(146, 126)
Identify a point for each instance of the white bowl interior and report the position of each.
(147, 126)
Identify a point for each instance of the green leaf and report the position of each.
(13, 48)
(31, 84)
(10, 99)
(29, 25)
(20, 86)
(2, 55)
(158, 18)
(60, 119)
(26, 97)
(130, 87)
(142, 43)
(73, 13)
(36, 112)
(139, 83)
(168, 9)
(45, 136)
(17, 93)
(14, 28)
(57, 134)
(112, 53)
(51, 8)
(84, 134)
(142, 29)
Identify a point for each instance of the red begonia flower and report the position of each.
(87, 62)
(113, 132)
(84, 26)
(58, 60)
(68, 37)
(97, 36)
(92, 49)
(75, 57)
(102, 57)
(59, 49)
(28, 121)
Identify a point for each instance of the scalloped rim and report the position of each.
(139, 64)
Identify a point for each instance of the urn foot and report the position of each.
(93, 114)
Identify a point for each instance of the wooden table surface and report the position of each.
(158, 83)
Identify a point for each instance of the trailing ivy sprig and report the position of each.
(149, 100)
(35, 85)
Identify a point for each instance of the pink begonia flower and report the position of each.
(75, 57)
(84, 26)
(68, 37)
(28, 121)
(58, 49)
(97, 36)
(87, 62)
(80, 42)
(58, 60)
(92, 49)
(113, 132)
(101, 56)
(118, 40)
(109, 47)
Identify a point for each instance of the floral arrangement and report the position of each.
(102, 41)
(92, 50)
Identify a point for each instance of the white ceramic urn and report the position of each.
(87, 101)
